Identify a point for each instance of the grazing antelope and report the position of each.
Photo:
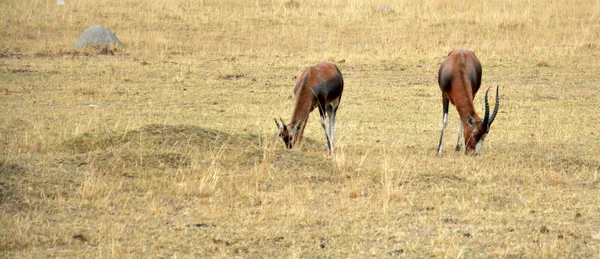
(318, 86)
(459, 79)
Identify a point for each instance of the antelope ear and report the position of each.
(470, 120)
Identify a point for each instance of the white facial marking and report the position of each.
(479, 145)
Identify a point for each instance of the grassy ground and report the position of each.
(168, 147)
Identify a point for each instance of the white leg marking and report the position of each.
(325, 129)
(331, 114)
(460, 134)
(444, 123)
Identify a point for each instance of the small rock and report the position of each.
(385, 9)
(97, 37)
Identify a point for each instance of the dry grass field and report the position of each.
(168, 149)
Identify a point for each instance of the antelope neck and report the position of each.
(302, 109)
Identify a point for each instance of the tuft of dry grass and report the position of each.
(167, 147)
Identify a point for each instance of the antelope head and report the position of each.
(479, 129)
(288, 134)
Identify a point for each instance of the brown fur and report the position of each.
(318, 86)
(459, 79)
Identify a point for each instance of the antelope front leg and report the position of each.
(460, 136)
(322, 113)
(331, 127)
(331, 111)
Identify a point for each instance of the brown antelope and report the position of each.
(318, 86)
(459, 79)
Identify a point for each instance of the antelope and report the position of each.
(318, 86)
(459, 79)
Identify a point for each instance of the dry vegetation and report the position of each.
(168, 147)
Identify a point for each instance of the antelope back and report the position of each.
(323, 82)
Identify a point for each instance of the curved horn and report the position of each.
(486, 119)
(495, 108)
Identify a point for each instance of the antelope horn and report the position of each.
(486, 120)
(495, 108)
(282, 122)
(277, 123)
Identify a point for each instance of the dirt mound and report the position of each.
(120, 162)
(159, 146)
(151, 136)
(155, 146)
